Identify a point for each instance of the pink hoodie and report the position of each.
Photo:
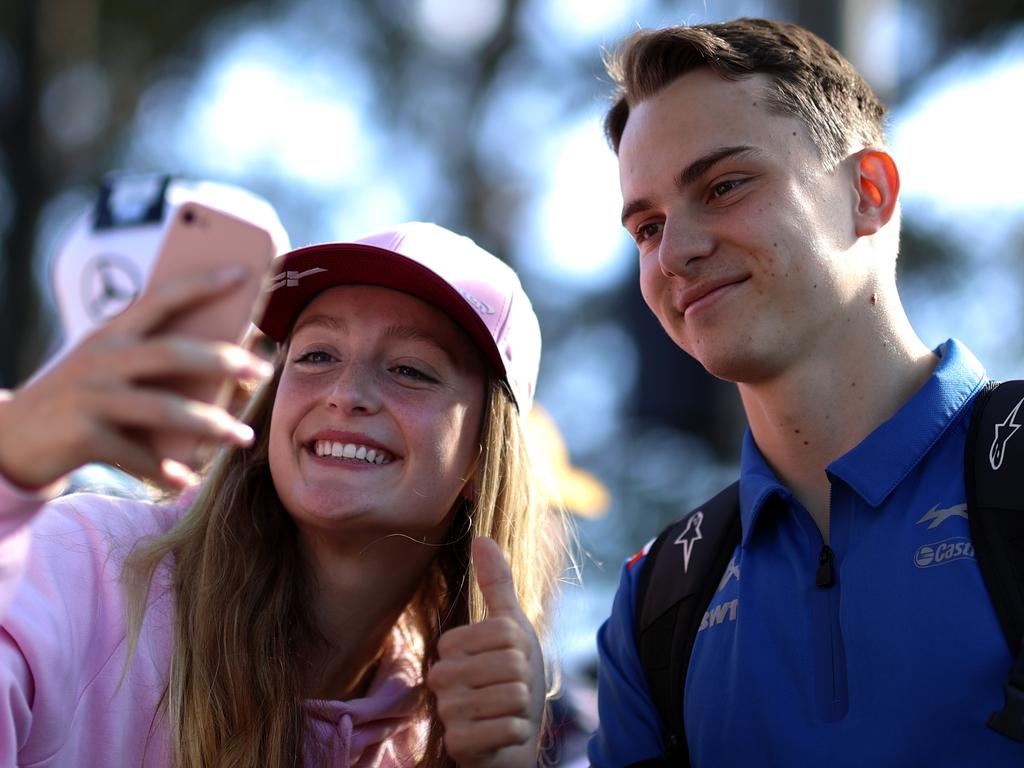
(63, 645)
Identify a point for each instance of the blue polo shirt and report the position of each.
(898, 663)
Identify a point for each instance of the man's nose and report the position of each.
(685, 242)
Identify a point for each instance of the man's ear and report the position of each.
(878, 187)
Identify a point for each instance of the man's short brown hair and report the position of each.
(810, 80)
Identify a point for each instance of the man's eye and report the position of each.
(725, 187)
(646, 231)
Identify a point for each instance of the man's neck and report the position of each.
(815, 412)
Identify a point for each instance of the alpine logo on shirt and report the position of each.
(727, 610)
(937, 517)
(947, 550)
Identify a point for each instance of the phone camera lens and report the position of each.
(188, 216)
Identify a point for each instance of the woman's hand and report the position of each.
(489, 680)
(100, 402)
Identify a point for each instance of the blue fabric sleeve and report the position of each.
(629, 729)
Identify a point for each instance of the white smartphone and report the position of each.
(200, 239)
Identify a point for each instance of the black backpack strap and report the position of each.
(681, 572)
(994, 478)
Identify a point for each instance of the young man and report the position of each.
(764, 206)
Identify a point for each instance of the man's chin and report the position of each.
(732, 363)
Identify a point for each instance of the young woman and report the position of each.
(311, 601)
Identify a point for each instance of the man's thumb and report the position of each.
(494, 578)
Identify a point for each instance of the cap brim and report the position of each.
(318, 267)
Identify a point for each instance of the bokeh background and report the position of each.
(484, 115)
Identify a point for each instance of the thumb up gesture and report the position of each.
(489, 679)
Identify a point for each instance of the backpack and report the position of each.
(672, 595)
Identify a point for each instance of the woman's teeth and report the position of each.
(350, 451)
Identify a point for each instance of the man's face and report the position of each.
(742, 231)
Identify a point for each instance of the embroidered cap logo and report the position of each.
(1004, 432)
(290, 278)
(690, 535)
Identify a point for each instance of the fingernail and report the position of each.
(244, 432)
(264, 369)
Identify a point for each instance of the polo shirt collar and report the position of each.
(885, 457)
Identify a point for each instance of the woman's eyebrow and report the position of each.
(320, 321)
(411, 333)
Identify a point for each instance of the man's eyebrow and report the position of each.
(635, 206)
(702, 165)
(689, 175)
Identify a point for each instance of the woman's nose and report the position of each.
(355, 389)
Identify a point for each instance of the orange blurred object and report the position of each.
(577, 490)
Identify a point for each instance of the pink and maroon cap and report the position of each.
(481, 293)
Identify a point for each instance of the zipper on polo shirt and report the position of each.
(826, 574)
(830, 681)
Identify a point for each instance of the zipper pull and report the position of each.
(826, 575)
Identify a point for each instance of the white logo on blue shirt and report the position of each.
(731, 571)
(939, 516)
(943, 552)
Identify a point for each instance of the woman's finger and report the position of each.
(483, 669)
(175, 357)
(505, 700)
(160, 303)
(157, 411)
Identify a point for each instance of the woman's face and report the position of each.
(376, 423)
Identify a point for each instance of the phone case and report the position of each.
(202, 239)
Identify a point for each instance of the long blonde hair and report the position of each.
(243, 593)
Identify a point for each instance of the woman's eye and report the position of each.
(314, 356)
(408, 371)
